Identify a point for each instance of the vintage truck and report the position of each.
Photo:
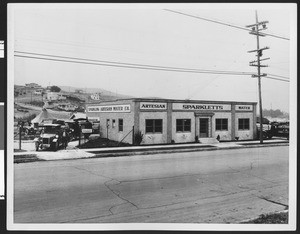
(50, 137)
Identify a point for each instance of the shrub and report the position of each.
(138, 138)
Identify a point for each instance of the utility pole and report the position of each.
(256, 28)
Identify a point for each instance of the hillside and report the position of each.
(36, 102)
(107, 95)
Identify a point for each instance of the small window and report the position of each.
(183, 125)
(244, 124)
(221, 124)
(113, 123)
(120, 125)
(107, 123)
(154, 126)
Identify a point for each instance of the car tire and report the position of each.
(37, 145)
(265, 135)
(54, 146)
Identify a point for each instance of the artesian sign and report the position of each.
(200, 107)
(243, 107)
(113, 108)
(153, 106)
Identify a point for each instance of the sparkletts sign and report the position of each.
(243, 107)
(153, 106)
(201, 107)
(112, 108)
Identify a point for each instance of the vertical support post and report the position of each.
(79, 135)
(20, 131)
(133, 141)
(106, 129)
(259, 82)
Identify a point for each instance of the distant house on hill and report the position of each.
(96, 96)
(54, 96)
(67, 107)
(33, 86)
(78, 91)
(19, 90)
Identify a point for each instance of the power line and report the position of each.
(143, 68)
(275, 78)
(279, 76)
(132, 65)
(226, 24)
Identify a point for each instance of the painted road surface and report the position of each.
(224, 186)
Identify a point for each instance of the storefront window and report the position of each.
(183, 125)
(113, 123)
(244, 124)
(153, 125)
(221, 124)
(120, 125)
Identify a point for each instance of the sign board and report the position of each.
(94, 119)
(153, 106)
(201, 107)
(244, 107)
(112, 108)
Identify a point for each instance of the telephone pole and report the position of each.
(256, 28)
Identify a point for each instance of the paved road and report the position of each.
(224, 186)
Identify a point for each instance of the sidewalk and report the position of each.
(74, 153)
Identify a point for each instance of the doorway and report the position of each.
(203, 127)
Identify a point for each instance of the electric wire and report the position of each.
(226, 24)
(144, 68)
(275, 78)
(132, 65)
(279, 76)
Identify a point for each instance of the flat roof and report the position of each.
(171, 100)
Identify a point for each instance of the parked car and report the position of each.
(267, 134)
(281, 129)
(274, 129)
(50, 137)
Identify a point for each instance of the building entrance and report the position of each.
(203, 127)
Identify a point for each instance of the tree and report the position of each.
(55, 89)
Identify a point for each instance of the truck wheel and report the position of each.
(37, 146)
(265, 135)
(54, 146)
(270, 136)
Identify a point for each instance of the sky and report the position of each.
(148, 34)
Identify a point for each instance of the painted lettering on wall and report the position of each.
(153, 106)
(243, 107)
(200, 107)
(113, 108)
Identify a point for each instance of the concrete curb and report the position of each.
(120, 153)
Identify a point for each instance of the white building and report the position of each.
(163, 121)
(96, 96)
(54, 96)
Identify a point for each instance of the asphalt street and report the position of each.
(224, 186)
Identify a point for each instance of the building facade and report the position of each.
(163, 121)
